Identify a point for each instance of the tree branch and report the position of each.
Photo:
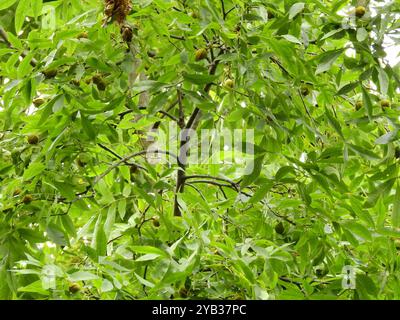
(180, 181)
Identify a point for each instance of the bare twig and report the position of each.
(229, 11)
(223, 9)
(204, 176)
(215, 183)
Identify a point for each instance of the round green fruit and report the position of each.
(38, 102)
(385, 103)
(27, 199)
(33, 139)
(74, 288)
(360, 11)
(229, 83)
(156, 222)
(82, 35)
(304, 90)
(201, 54)
(50, 73)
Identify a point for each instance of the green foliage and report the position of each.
(79, 88)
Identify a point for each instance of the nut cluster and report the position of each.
(117, 9)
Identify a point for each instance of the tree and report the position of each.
(311, 211)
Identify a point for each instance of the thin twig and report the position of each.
(229, 11)
(215, 183)
(205, 176)
(223, 9)
(128, 157)
(197, 189)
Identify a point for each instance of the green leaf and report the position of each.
(366, 286)
(364, 152)
(110, 220)
(88, 127)
(387, 137)
(144, 281)
(146, 85)
(367, 102)
(261, 192)
(327, 59)
(65, 189)
(347, 88)
(33, 170)
(34, 287)
(296, 9)
(82, 276)
(255, 169)
(359, 230)
(199, 79)
(99, 242)
(20, 14)
(333, 122)
(148, 257)
(36, 7)
(362, 34)
(291, 38)
(57, 235)
(149, 250)
(396, 208)
(383, 81)
(4, 4)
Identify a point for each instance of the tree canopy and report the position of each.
(312, 211)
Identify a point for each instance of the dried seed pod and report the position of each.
(117, 9)
(17, 192)
(50, 73)
(127, 33)
(108, 9)
(27, 199)
(99, 82)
